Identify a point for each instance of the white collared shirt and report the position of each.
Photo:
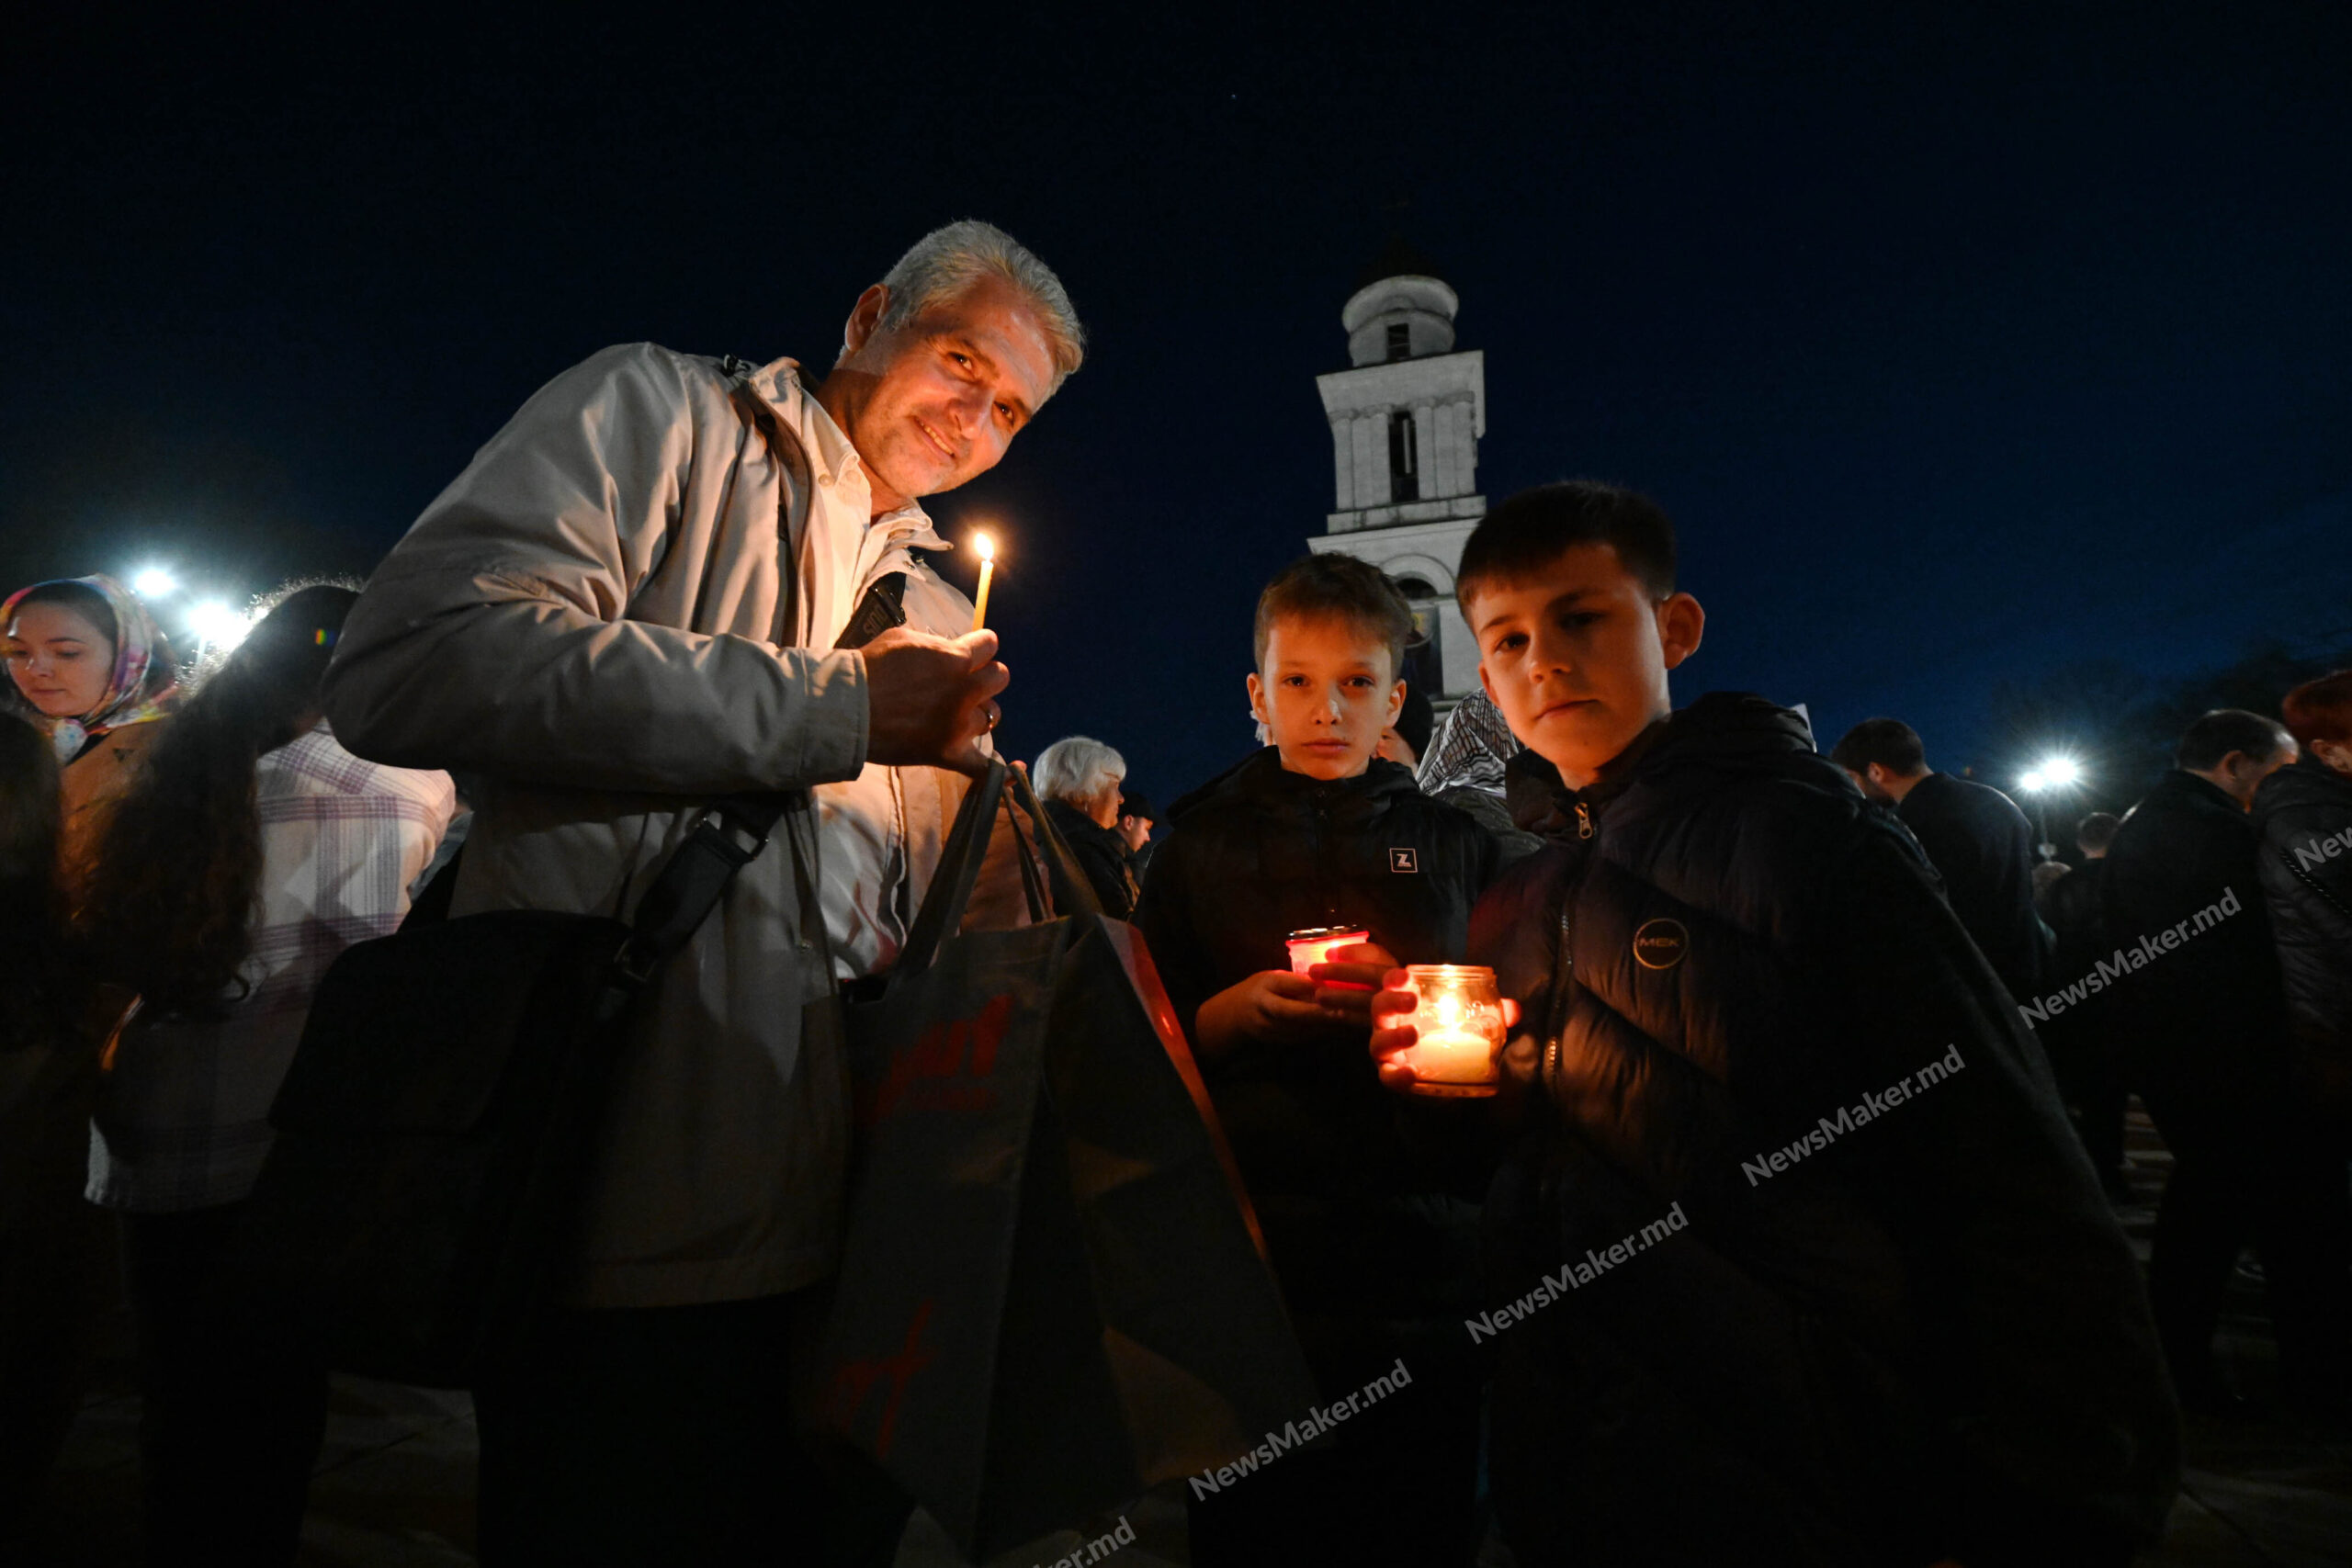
(862, 881)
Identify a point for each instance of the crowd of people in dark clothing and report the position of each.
(1725, 952)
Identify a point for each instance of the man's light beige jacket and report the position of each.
(600, 617)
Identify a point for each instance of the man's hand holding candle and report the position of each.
(930, 701)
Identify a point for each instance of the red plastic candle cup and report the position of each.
(1316, 944)
(1457, 1026)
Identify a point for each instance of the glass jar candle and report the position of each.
(1316, 944)
(1458, 1027)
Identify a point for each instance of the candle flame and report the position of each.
(985, 546)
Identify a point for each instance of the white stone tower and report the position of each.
(1405, 419)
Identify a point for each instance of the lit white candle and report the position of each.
(986, 548)
(1452, 1056)
(1457, 1029)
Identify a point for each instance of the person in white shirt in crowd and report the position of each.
(248, 852)
(659, 585)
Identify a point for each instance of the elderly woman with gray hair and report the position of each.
(1078, 778)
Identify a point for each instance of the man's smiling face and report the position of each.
(1576, 656)
(934, 401)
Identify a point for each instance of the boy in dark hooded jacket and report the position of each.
(1377, 1255)
(1797, 1261)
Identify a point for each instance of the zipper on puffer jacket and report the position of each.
(1563, 977)
(1564, 965)
(1326, 873)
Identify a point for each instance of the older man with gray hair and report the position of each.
(1078, 778)
(671, 578)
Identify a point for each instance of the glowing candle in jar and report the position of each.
(1316, 944)
(986, 548)
(1457, 1026)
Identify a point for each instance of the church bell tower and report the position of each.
(1406, 418)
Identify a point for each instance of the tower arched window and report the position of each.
(1404, 459)
(1423, 670)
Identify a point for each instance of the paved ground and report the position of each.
(394, 1484)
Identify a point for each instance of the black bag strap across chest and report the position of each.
(690, 884)
(684, 891)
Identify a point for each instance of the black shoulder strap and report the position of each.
(684, 892)
(729, 836)
(884, 606)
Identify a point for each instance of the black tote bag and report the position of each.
(1052, 1294)
(433, 1134)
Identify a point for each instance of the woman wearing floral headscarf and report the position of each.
(91, 667)
(92, 673)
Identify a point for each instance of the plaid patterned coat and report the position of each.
(183, 1121)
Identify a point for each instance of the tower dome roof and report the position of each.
(1397, 258)
(1401, 309)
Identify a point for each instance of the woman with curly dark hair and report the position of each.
(248, 853)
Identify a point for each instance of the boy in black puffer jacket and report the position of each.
(1377, 1255)
(1733, 1316)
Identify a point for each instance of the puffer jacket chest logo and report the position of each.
(1661, 943)
(1404, 860)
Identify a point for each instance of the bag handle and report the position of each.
(1073, 893)
(958, 872)
(967, 848)
(1033, 887)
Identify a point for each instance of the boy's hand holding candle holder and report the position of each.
(1317, 944)
(1346, 965)
(1458, 1023)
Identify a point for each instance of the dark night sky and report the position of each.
(1963, 347)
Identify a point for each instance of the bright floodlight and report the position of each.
(2035, 781)
(2060, 772)
(155, 583)
(217, 625)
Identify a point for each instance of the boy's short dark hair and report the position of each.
(2095, 833)
(1338, 587)
(1890, 743)
(1527, 532)
(2217, 734)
